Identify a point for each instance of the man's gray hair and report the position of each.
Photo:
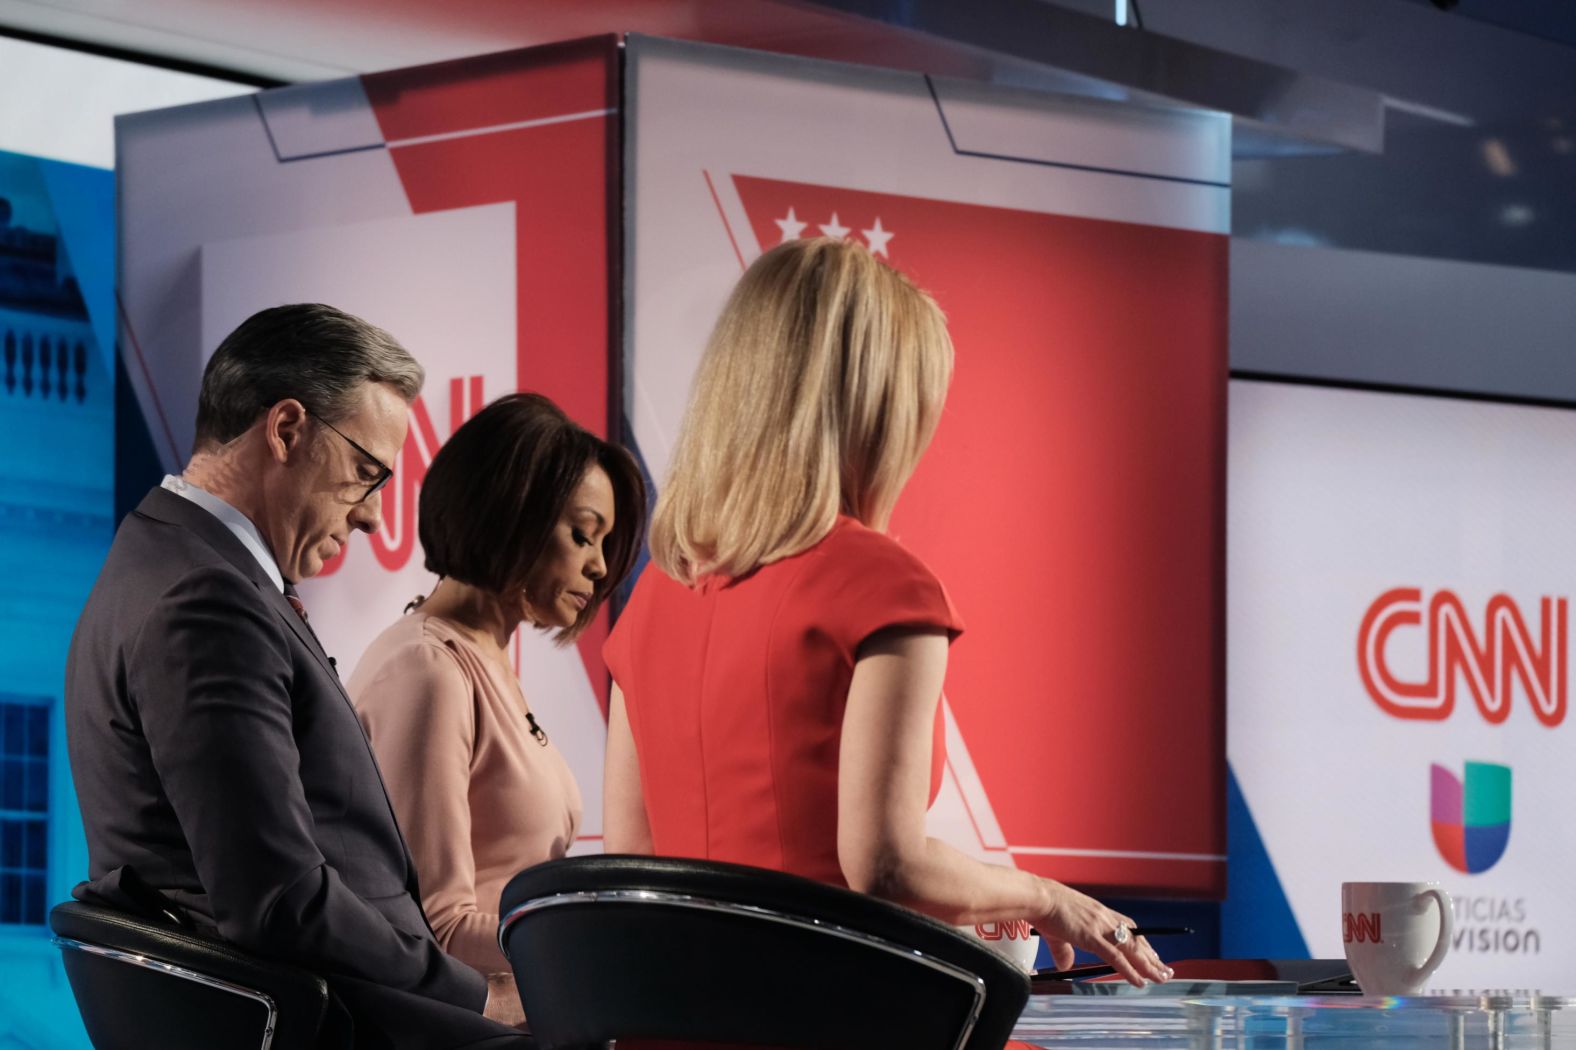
(314, 353)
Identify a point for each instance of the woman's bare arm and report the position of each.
(625, 828)
(883, 792)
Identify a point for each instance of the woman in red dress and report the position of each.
(778, 670)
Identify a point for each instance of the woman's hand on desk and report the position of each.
(1076, 920)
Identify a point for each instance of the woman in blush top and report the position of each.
(527, 519)
(778, 669)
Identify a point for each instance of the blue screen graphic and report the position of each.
(57, 420)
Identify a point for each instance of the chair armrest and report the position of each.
(294, 990)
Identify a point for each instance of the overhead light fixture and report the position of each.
(1019, 41)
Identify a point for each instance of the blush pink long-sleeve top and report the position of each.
(478, 798)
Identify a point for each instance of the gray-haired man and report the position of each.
(215, 754)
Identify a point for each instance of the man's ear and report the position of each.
(285, 430)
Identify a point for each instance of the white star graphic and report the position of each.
(877, 237)
(834, 228)
(791, 226)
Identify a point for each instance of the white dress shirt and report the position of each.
(233, 520)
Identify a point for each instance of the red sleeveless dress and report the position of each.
(735, 692)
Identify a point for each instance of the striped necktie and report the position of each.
(295, 602)
(300, 610)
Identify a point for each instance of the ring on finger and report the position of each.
(1120, 935)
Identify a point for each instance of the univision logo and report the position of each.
(1471, 816)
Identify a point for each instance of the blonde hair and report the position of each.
(818, 392)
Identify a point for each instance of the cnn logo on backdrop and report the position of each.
(1492, 655)
(393, 544)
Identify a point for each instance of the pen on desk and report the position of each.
(1149, 931)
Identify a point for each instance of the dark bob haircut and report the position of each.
(496, 490)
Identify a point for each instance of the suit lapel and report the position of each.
(164, 505)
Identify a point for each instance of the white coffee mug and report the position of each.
(1013, 940)
(1396, 934)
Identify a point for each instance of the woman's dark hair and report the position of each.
(497, 488)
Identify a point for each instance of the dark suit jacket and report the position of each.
(216, 753)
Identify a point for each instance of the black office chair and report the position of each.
(616, 947)
(149, 985)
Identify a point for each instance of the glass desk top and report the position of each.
(1490, 1021)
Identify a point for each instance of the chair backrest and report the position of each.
(144, 985)
(616, 947)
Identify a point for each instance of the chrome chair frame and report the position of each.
(142, 980)
(679, 900)
(742, 955)
(172, 970)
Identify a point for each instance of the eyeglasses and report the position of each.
(384, 470)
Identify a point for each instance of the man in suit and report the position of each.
(216, 756)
